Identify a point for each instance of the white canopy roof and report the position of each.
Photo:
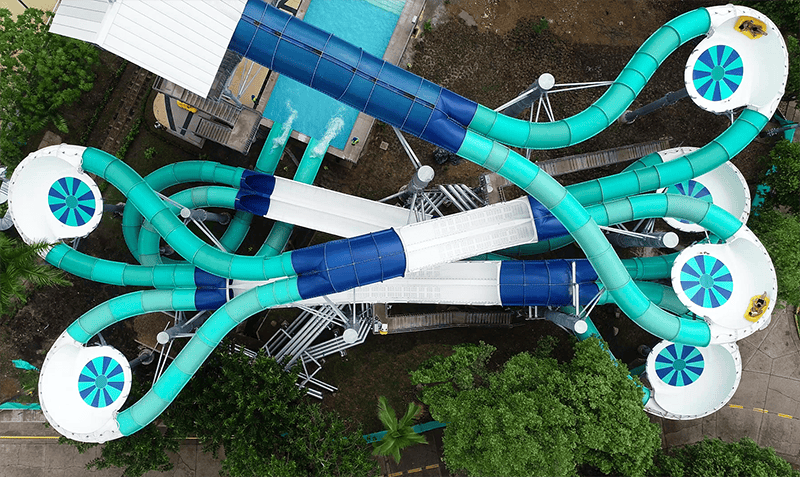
(181, 40)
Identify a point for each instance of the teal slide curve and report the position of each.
(481, 144)
(609, 107)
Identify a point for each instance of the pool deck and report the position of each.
(406, 24)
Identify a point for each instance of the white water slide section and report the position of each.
(332, 212)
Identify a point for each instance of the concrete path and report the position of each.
(766, 406)
(29, 448)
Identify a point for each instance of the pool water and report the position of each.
(368, 24)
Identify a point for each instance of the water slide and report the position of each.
(308, 55)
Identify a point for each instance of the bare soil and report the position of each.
(486, 50)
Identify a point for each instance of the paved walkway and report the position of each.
(766, 406)
(38, 454)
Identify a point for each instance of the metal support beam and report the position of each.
(667, 100)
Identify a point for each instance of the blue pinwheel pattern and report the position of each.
(718, 72)
(101, 381)
(706, 281)
(71, 201)
(679, 365)
(693, 189)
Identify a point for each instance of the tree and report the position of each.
(714, 457)
(253, 409)
(786, 16)
(780, 234)
(40, 73)
(22, 269)
(137, 454)
(399, 433)
(535, 416)
(783, 176)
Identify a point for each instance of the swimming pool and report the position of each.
(368, 24)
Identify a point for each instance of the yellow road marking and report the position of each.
(418, 469)
(736, 406)
(785, 415)
(395, 474)
(434, 466)
(758, 409)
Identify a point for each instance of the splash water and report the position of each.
(334, 127)
(280, 141)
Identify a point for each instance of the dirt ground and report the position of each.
(486, 50)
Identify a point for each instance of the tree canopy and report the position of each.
(783, 176)
(22, 270)
(536, 416)
(40, 72)
(780, 234)
(717, 458)
(253, 410)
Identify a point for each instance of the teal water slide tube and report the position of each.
(343, 71)
(308, 55)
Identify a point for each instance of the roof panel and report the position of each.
(195, 81)
(73, 11)
(162, 39)
(182, 40)
(188, 21)
(81, 19)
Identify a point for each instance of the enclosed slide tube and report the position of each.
(345, 72)
(480, 150)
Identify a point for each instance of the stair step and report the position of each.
(213, 131)
(219, 109)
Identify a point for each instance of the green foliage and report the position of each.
(137, 454)
(780, 234)
(540, 26)
(40, 73)
(253, 409)
(21, 270)
(427, 27)
(149, 153)
(399, 433)
(129, 138)
(784, 177)
(536, 416)
(784, 13)
(103, 102)
(462, 368)
(29, 382)
(714, 457)
(793, 81)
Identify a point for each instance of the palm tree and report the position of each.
(20, 268)
(399, 434)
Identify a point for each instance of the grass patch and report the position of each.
(29, 382)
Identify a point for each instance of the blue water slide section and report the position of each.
(209, 299)
(344, 264)
(203, 279)
(254, 191)
(546, 282)
(547, 225)
(344, 71)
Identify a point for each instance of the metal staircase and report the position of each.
(294, 344)
(220, 109)
(449, 319)
(213, 131)
(579, 162)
